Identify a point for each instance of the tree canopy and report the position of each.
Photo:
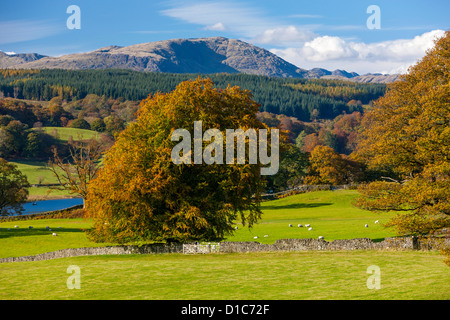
(13, 189)
(305, 99)
(140, 194)
(407, 133)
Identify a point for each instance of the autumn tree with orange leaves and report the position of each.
(408, 133)
(328, 167)
(141, 195)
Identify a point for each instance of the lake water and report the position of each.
(50, 205)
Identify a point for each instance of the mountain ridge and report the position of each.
(197, 55)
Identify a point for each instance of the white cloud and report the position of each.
(241, 19)
(383, 57)
(237, 17)
(299, 44)
(284, 35)
(9, 53)
(219, 26)
(24, 30)
(327, 48)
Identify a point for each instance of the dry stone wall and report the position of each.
(406, 243)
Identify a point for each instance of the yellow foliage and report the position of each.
(140, 194)
(408, 133)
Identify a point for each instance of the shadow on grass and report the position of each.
(24, 232)
(296, 206)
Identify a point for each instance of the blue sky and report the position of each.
(323, 33)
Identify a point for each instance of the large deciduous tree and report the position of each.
(408, 133)
(140, 194)
(13, 189)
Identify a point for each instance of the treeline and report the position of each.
(20, 122)
(17, 140)
(305, 99)
(339, 134)
(92, 112)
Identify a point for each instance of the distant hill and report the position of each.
(17, 59)
(202, 55)
(376, 78)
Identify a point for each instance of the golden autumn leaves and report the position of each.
(408, 133)
(140, 194)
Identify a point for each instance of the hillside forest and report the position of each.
(312, 112)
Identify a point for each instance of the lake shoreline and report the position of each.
(33, 198)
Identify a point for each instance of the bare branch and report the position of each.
(81, 166)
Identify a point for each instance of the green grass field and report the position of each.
(37, 172)
(329, 213)
(63, 134)
(250, 276)
(264, 275)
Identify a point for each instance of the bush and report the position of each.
(80, 124)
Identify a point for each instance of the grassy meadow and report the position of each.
(64, 134)
(249, 276)
(330, 213)
(38, 173)
(262, 275)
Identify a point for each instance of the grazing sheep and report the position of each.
(290, 225)
(16, 226)
(377, 221)
(54, 234)
(307, 225)
(236, 227)
(310, 229)
(30, 227)
(47, 227)
(320, 237)
(300, 226)
(366, 226)
(266, 235)
(255, 237)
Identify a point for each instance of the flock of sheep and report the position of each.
(31, 227)
(255, 237)
(309, 229)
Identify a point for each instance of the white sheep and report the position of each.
(307, 225)
(300, 226)
(309, 229)
(366, 226)
(320, 237)
(290, 225)
(377, 221)
(266, 235)
(256, 237)
(16, 226)
(54, 234)
(236, 227)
